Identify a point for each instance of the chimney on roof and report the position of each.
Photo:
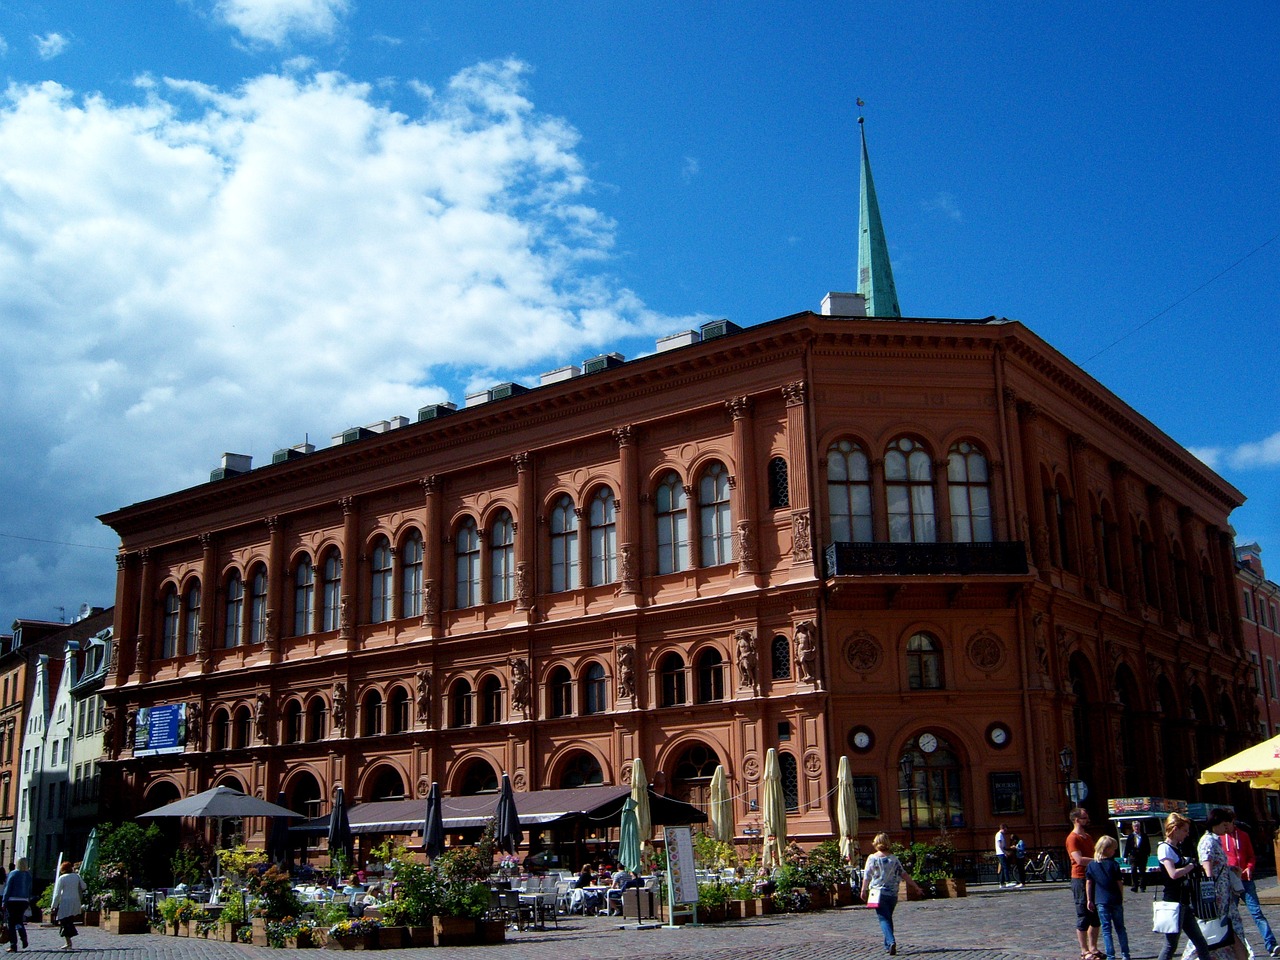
(844, 305)
(233, 465)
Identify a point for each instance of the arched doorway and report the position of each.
(932, 798)
(691, 775)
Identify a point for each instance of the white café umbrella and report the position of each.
(773, 810)
(846, 811)
(721, 807)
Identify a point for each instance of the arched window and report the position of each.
(172, 623)
(604, 538)
(933, 799)
(381, 576)
(582, 770)
(234, 622)
(671, 676)
(317, 719)
(371, 714)
(560, 684)
(691, 776)
(969, 487)
(331, 598)
(1182, 583)
(502, 558)
(466, 552)
(564, 546)
(293, 730)
(387, 785)
(220, 730)
(781, 657)
(1147, 566)
(479, 778)
(491, 700)
(1110, 548)
(1210, 588)
(1060, 509)
(709, 667)
(258, 605)
(779, 486)
(715, 516)
(304, 597)
(790, 773)
(398, 717)
(594, 694)
(849, 493)
(460, 704)
(924, 663)
(411, 575)
(242, 732)
(673, 525)
(908, 474)
(191, 610)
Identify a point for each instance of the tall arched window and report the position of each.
(242, 732)
(191, 610)
(172, 623)
(381, 579)
(849, 493)
(779, 485)
(781, 658)
(934, 795)
(908, 474)
(560, 686)
(258, 605)
(220, 730)
(234, 622)
(582, 770)
(398, 716)
(1146, 551)
(564, 545)
(331, 598)
(594, 694)
(673, 524)
(491, 700)
(411, 575)
(604, 538)
(317, 719)
(969, 486)
(304, 597)
(924, 663)
(1210, 588)
(466, 552)
(716, 519)
(502, 558)
(709, 667)
(293, 727)
(371, 714)
(1110, 543)
(460, 704)
(479, 778)
(671, 677)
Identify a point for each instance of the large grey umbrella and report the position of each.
(278, 837)
(506, 832)
(340, 838)
(221, 803)
(433, 826)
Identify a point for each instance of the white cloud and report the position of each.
(4, 47)
(945, 204)
(690, 169)
(212, 270)
(274, 21)
(1211, 457)
(1258, 454)
(50, 45)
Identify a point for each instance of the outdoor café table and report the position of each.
(578, 897)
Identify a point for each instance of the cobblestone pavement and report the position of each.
(1033, 923)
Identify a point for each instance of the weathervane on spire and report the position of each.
(861, 103)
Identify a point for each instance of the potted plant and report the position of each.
(306, 933)
(713, 902)
(354, 933)
(417, 895)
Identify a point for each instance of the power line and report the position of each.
(1176, 303)
(56, 543)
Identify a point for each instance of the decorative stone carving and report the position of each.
(812, 764)
(339, 709)
(260, 722)
(794, 393)
(863, 652)
(751, 769)
(423, 699)
(801, 541)
(430, 603)
(195, 724)
(520, 685)
(424, 787)
(624, 775)
(109, 746)
(806, 652)
(626, 672)
(518, 780)
(131, 729)
(986, 651)
(630, 583)
(746, 547)
(271, 640)
(747, 660)
(738, 407)
(1040, 637)
(344, 617)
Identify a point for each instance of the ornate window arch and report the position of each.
(780, 658)
(595, 695)
(331, 590)
(258, 604)
(934, 799)
(969, 490)
(564, 545)
(849, 493)
(924, 662)
(908, 487)
(779, 484)
(233, 621)
(560, 692)
(581, 769)
(381, 581)
(603, 525)
(466, 552)
(460, 703)
(304, 596)
(502, 558)
(399, 717)
(490, 700)
(671, 513)
(709, 669)
(293, 731)
(411, 559)
(715, 515)
(478, 777)
(171, 623)
(671, 680)
(317, 719)
(371, 714)
(191, 617)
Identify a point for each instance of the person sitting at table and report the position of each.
(624, 879)
(353, 886)
(585, 877)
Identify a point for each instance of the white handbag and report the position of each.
(1166, 916)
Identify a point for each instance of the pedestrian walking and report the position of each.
(1002, 857)
(17, 900)
(881, 876)
(1137, 850)
(1240, 858)
(1020, 853)
(1104, 886)
(67, 903)
(1176, 867)
(1214, 860)
(1080, 850)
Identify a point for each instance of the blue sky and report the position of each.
(225, 226)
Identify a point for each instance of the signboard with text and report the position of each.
(160, 729)
(683, 874)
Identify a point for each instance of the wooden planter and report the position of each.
(259, 925)
(230, 932)
(126, 922)
(764, 906)
(819, 899)
(453, 931)
(307, 939)
(744, 909)
(716, 914)
(904, 892)
(421, 936)
(362, 941)
(952, 888)
(491, 931)
(843, 895)
(392, 938)
(92, 918)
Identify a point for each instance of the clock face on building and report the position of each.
(998, 734)
(928, 742)
(860, 739)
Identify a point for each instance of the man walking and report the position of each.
(1239, 849)
(1002, 856)
(1080, 850)
(1137, 850)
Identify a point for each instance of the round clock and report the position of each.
(998, 734)
(861, 739)
(928, 742)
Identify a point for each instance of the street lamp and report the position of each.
(1065, 759)
(908, 767)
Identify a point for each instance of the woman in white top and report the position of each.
(69, 892)
(880, 878)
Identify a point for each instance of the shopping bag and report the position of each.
(873, 897)
(1166, 916)
(1217, 933)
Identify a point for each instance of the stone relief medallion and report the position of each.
(862, 651)
(625, 775)
(424, 787)
(751, 769)
(518, 781)
(986, 651)
(812, 764)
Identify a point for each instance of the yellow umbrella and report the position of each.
(846, 811)
(721, 812)
(1259, 766)
(640, 794)
(773, 810)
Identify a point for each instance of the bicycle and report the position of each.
(1044, 867)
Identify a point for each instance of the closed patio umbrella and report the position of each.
(433, 826)
(640, 794)
(846, 811)
(89, 862)
(278, 838)
(340, 839)
(721, 807)
(773, 809)
(507, 831)
(629, 842)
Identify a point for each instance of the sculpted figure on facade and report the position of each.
(1040, 634)
(424, 696)
(109, 746)
(344, 617)
(260, 724)
(801, 543)
(746, 547)
(131, 729)
(524, 592)
(195, 724)
(745, 657)
(339, 709)
(627, 672)
(430, 603)
(520, 685)
(806, 652)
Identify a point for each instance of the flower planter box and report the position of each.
(307, 939)
(421, 936)
(952, 888)
(491, 931)
(843, 895)
(126, 922)
(745, 909)
(230, 932)
(359, 941)
(904, 893)
(92, 918)
(392, 938)
(259, 926)
(819, 899)
(182, 928)
(453, 931)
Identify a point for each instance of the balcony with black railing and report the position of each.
(926, 559)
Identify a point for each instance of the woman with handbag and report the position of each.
(1173, 902)
(67, 902)
(880, 878)
(1213, 856)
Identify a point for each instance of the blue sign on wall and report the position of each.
(161, 729)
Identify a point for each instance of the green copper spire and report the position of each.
(875, 274)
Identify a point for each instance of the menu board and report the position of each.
(683, 877)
